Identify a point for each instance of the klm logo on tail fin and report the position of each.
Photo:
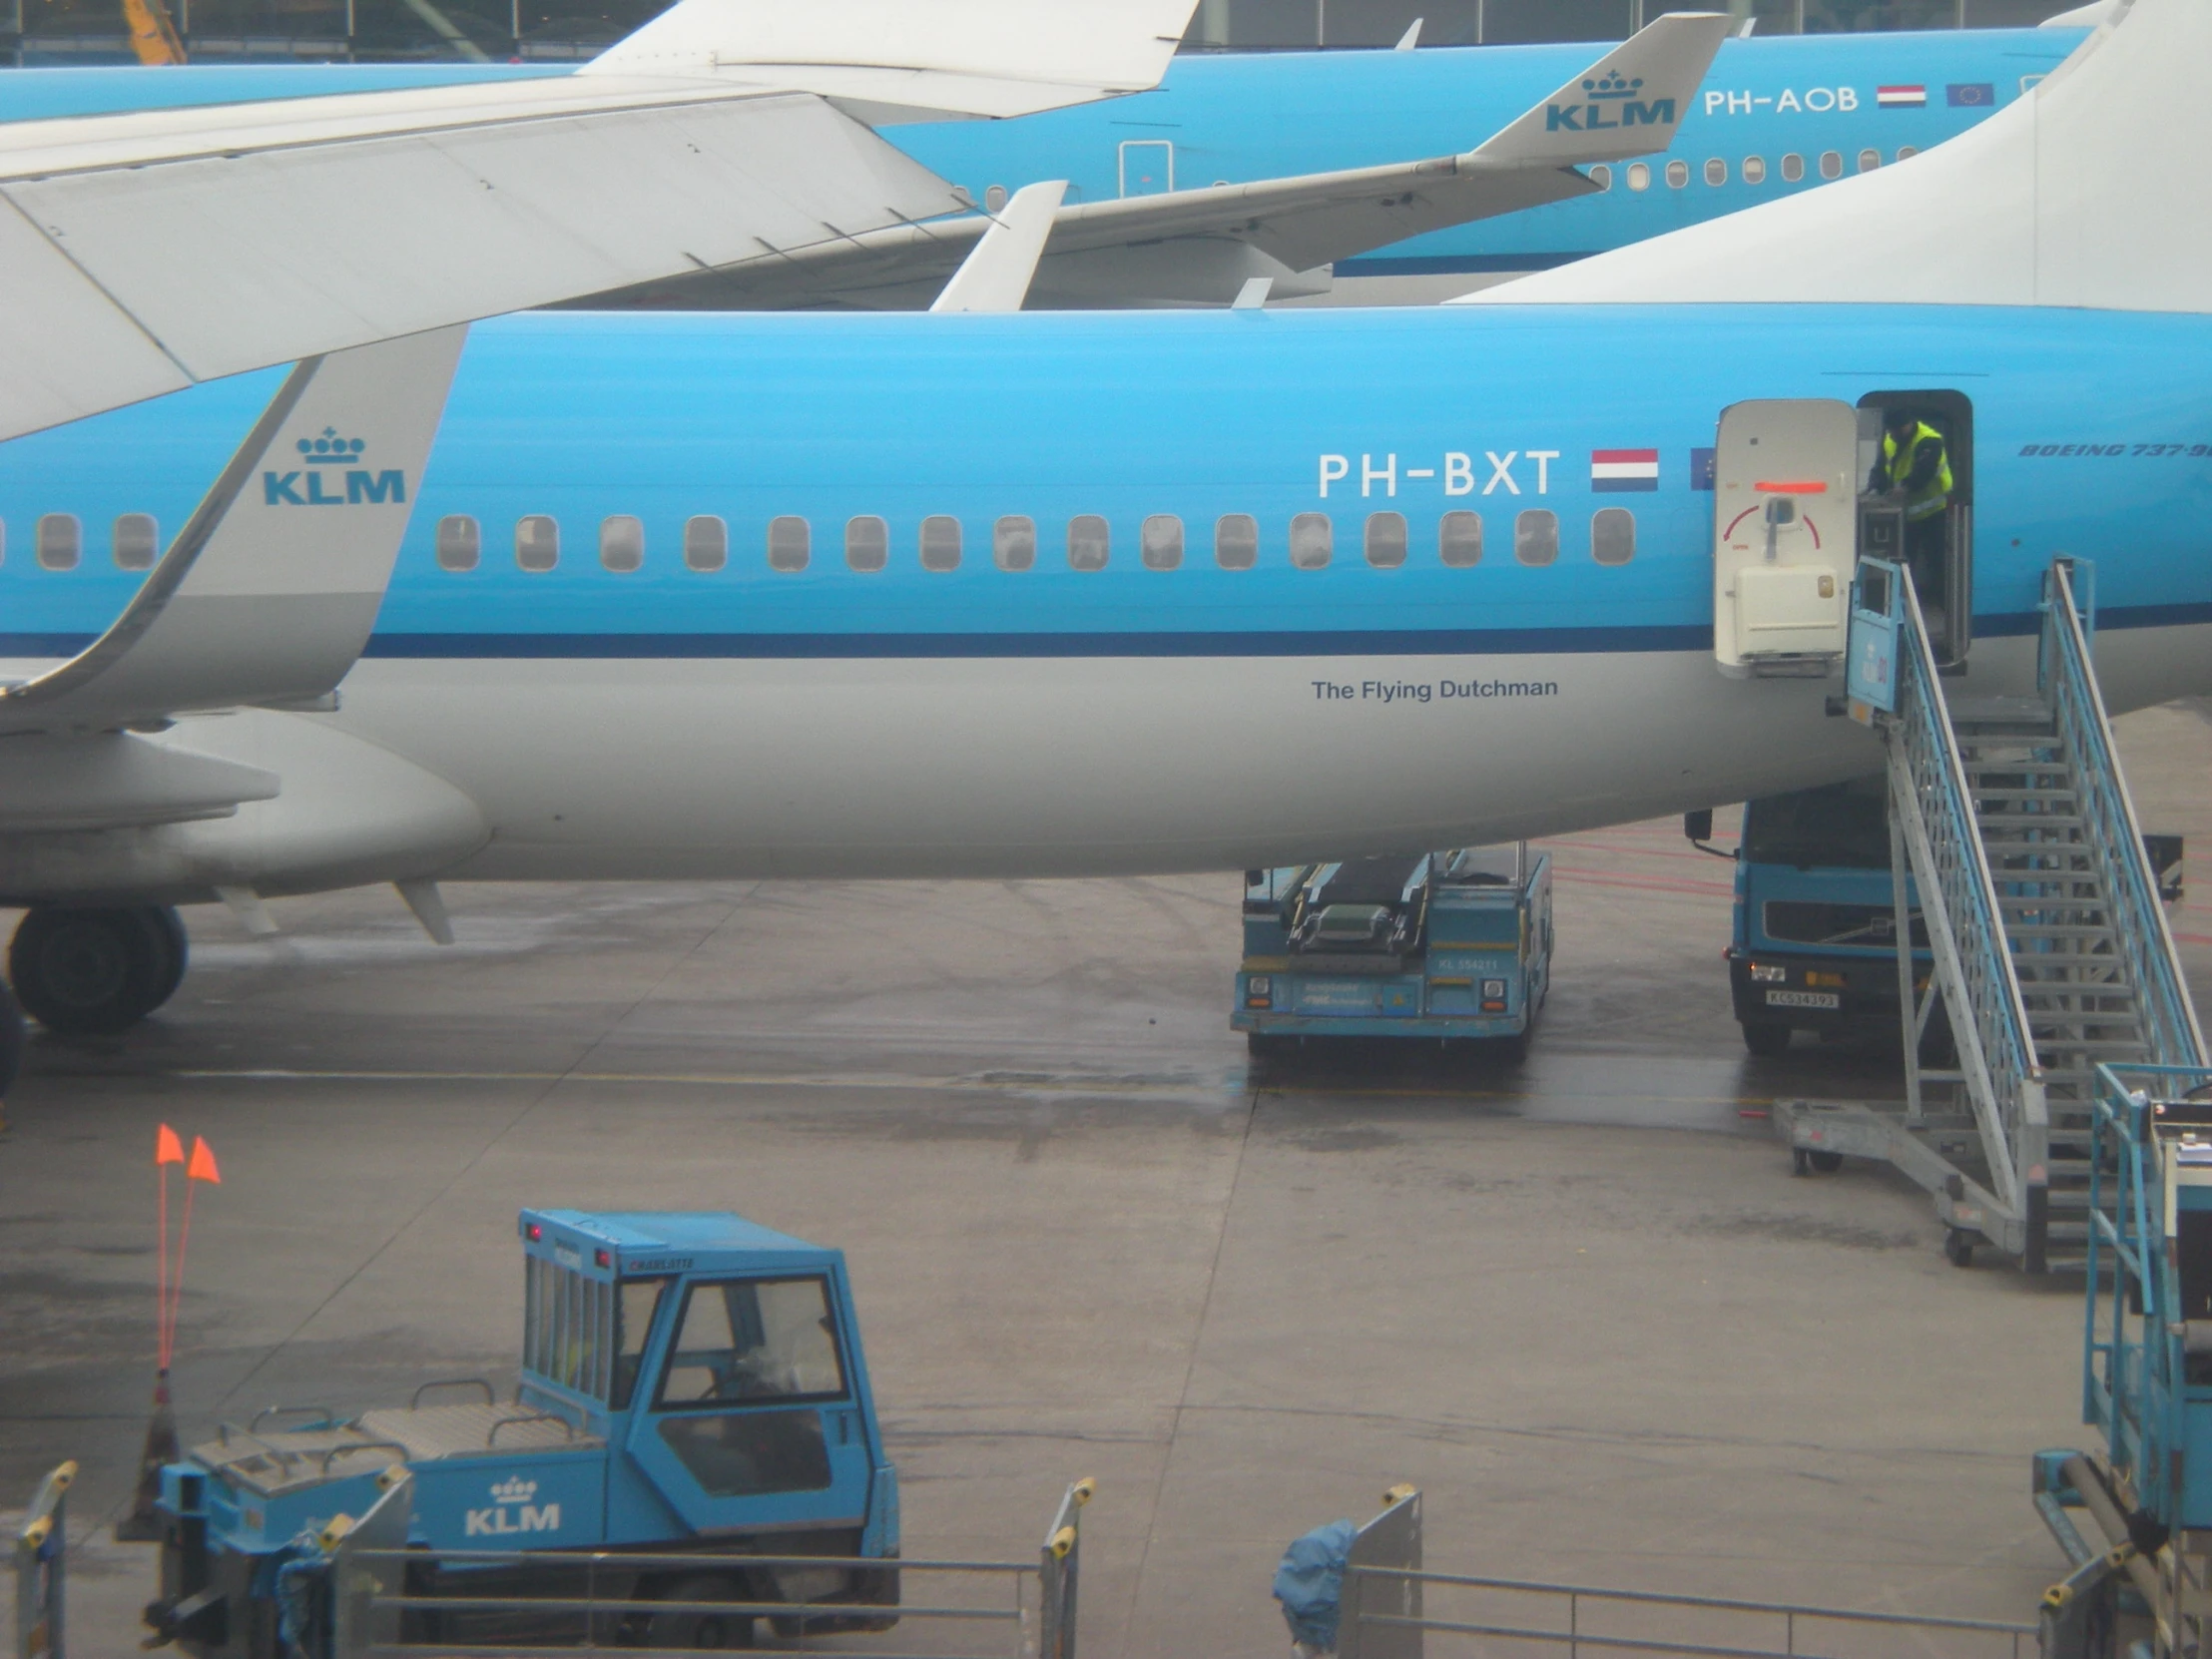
(1611, 102)
(310, 487)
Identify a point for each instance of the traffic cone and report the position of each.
(144, 1524)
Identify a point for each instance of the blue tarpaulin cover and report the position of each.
(1310, 1583)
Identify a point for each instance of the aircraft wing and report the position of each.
(148, 250)
(1201, 244)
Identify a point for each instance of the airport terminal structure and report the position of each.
(896, 827)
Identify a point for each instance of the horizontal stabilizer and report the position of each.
(995, 277)
(1628, 103)
(270, 589)
(962, 57)
(147, 252)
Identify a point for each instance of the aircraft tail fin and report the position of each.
(1644, 83)
(2082, 191)
(881, 58)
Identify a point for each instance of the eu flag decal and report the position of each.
(1624, 469)
(1971, 95)
(1701, 469)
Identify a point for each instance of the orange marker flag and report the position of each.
(168, 1149)
(202, 1168)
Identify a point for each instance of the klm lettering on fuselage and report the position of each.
(1611, 102)
(512, 1511)
(315, 484)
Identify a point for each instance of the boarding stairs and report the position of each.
(2041, 910)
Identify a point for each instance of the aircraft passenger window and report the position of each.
(1088, 542)
(940, 542)
(1014, 543)
(1678, 174)
(1602, 175)
(1832, 165)
(1160, 542)
(1905, 152)
(60, 538)
(1716, 172)
(460, 541)
(1386, 542)
(1639, 176)
(1755, 169)
(1612, 537)
(1313, 538)
(1536, 536)
(537, 542)
(995, 198)
(135, 535)
(1235, 541)
(1459, 539)
(705, 542)
(1869, 160)
(791, 541)
(867, 543)
(1792, 168)
(622, 543)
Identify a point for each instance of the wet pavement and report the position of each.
(1581, 1301)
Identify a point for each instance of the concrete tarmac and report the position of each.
(1583, 1303)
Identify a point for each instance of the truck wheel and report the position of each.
(1766, 1040)
(701, 1632)
(1826, 1163)
(1959, 1248)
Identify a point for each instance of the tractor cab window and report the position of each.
(638, 1301)
(753, 1339)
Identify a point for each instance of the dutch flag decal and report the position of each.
(1624, 469)
(1900, 98)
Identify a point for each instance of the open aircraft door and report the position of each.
(1785, 523)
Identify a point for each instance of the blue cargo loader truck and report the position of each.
(1452, 944)
(691, 1384)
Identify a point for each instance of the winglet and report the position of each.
(964, 57)
(1628, 103)
(1411, 37)
(270, 591)
(996, 274)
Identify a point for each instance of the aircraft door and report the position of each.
(1785, 522)
(1147, 166)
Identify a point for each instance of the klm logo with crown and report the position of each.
(512, 1511)
(1610, 100)
(319, 482)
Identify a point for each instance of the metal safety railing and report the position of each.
(1934, 823)
(1600, 1621)
(1390, 1604)
(2111, 834)
(390, 1601)
(42, 1570)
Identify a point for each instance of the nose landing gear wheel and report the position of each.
(94, 972)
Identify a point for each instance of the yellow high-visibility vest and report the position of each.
(1928, 502)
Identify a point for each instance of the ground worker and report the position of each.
(1916, 469)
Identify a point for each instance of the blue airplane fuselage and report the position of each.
(623, 713)
(1787, 101)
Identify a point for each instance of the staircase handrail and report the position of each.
(2004, 1073)
(2068, 681)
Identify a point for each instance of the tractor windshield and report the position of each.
(753, 1339)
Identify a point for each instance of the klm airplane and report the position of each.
(1774, 117)
(720, 595)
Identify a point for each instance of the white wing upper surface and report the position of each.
(149, 251)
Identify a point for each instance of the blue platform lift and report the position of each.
(1444, 944)
(692, 1385)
